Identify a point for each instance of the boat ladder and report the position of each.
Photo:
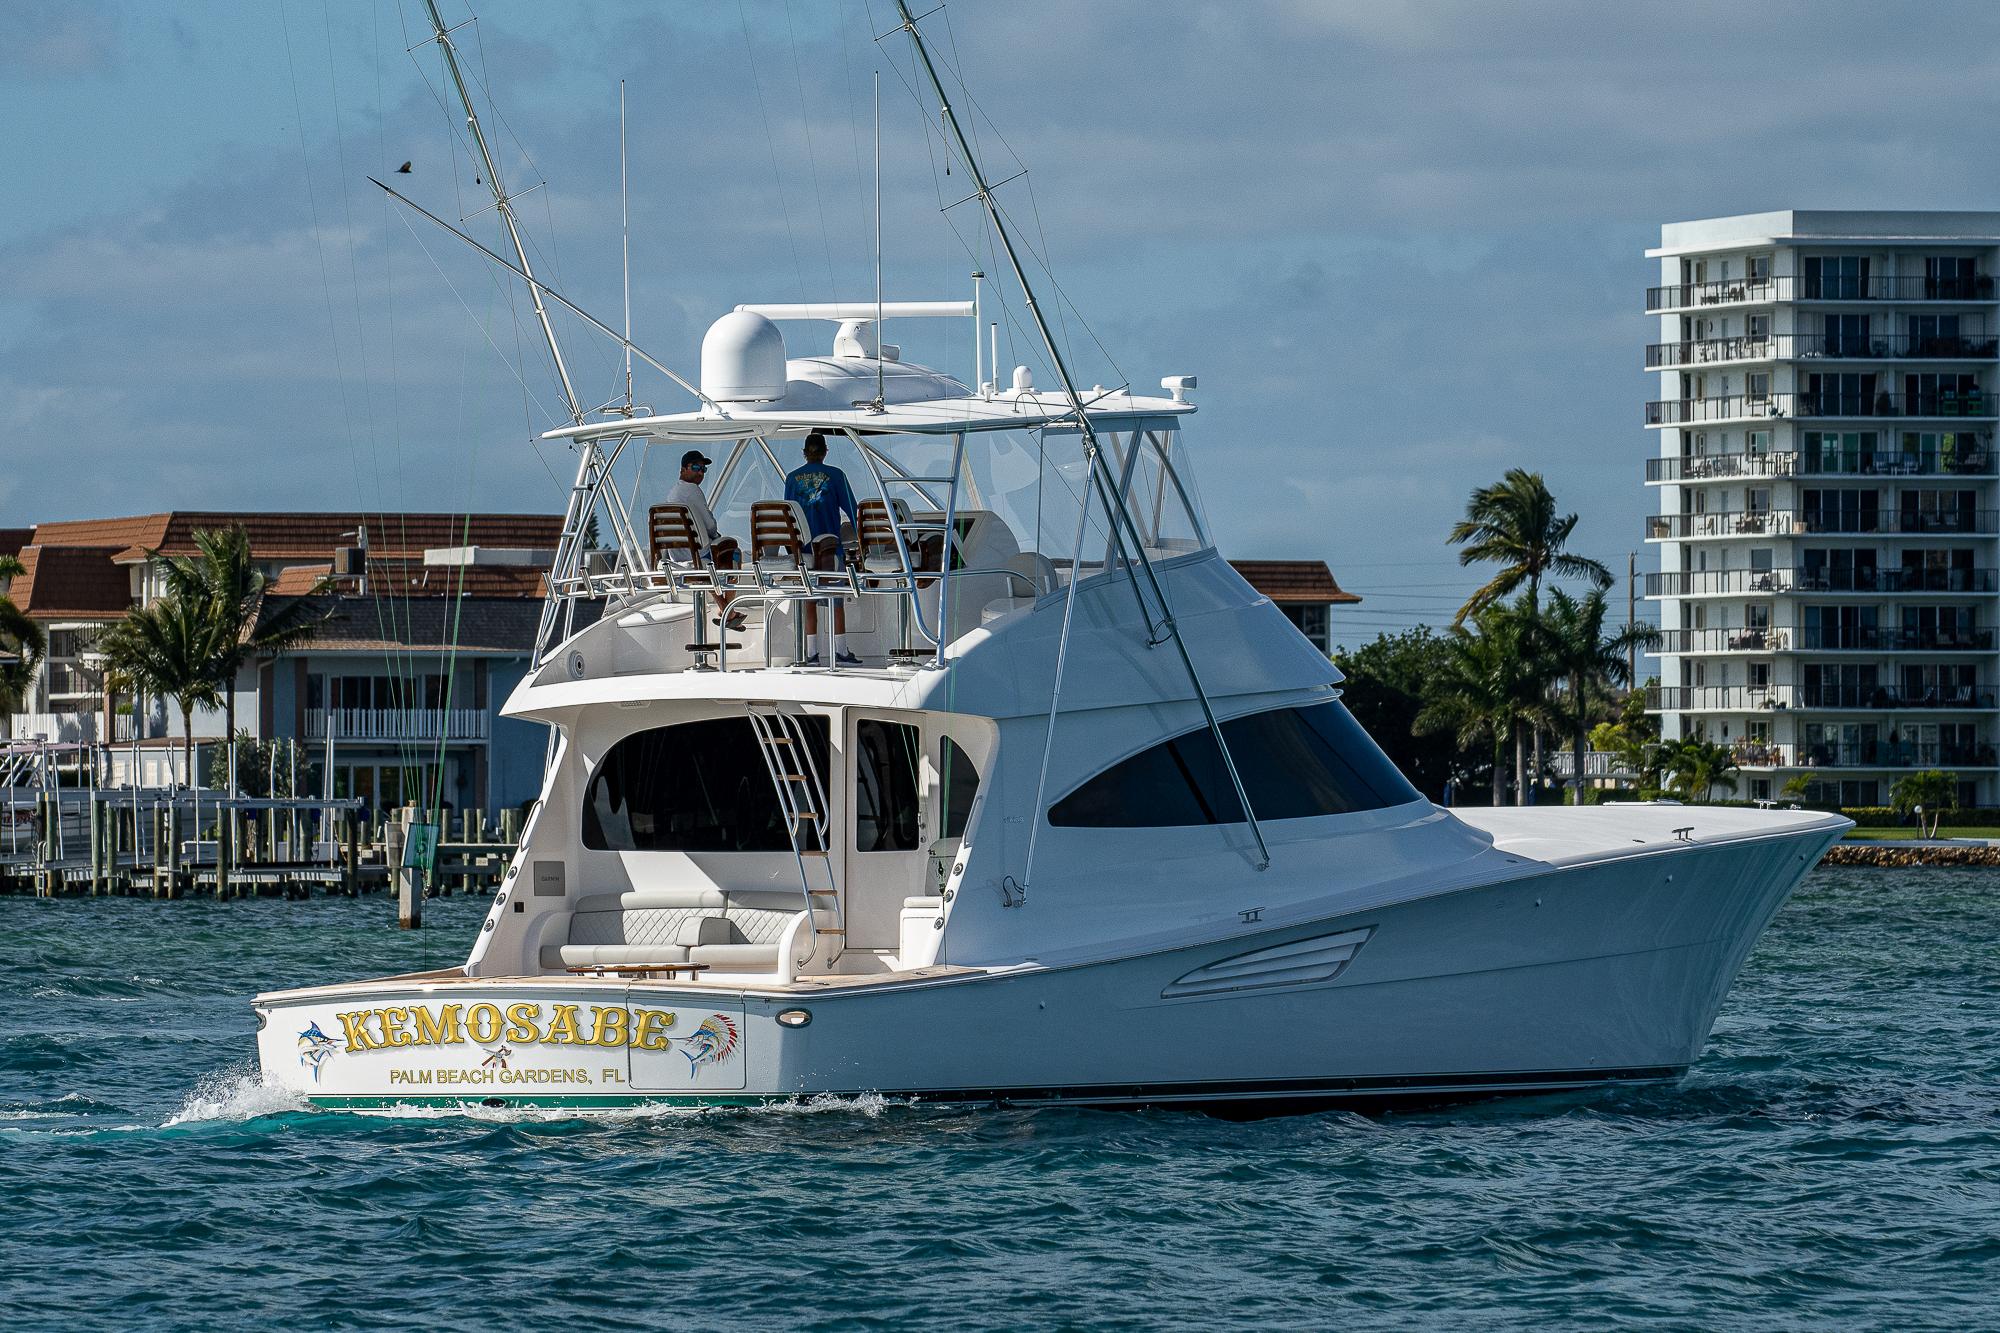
(786, 743)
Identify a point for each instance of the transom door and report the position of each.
(886, 829)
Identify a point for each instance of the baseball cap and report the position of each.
(693, 456)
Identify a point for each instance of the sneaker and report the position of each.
(812, 661)
(846, 660)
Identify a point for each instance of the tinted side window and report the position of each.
(1295, 763)
(961, 783)
(696, 787)
(1180, 781)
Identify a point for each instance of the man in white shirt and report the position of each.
(723, 551)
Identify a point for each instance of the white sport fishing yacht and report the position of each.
(1088, 823)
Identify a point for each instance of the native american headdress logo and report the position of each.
(711, 1043)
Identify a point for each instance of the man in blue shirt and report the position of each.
(820, 490)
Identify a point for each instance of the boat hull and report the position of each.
(1563, 978)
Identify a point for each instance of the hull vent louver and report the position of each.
(1304, 962)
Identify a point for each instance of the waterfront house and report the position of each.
(1304, 590)
(429, 620)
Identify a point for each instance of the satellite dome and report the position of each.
(743, 359)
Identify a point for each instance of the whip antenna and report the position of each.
(878, 241)
(625, 232)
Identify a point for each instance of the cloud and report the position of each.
(50, 39)
(1399, 243)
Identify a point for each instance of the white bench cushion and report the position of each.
(737, 931)
(627, 955)
(736, 957)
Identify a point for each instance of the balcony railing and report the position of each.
(1858, 638)
(1819, 579)
(1596, 764)
(1943, 405)
(1822, 522)
(1892, 287)
(1724, 640)
(1728, 291)
(69, 678)
(1895, 754)
(1907, 522)
(399, 724)
(1822, 346)
(1893, 639)
(1975, 460)
(1723, 407)
(1964, 698)
(68, 727)
(1865, 754)
(1718, 698)
(1780, 698)
(1788, 287)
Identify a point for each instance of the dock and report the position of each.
(61, 840)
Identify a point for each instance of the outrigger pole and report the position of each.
(1121, 518)
(442, 36)
(593, 472)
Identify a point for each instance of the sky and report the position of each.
(1400, 244)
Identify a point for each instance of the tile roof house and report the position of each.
(423, 635)
(1304, 590)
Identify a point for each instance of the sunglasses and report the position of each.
(699, 467)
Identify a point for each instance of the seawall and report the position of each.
(1892, 855)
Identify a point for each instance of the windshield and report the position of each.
(1018, 491)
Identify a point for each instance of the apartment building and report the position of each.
(1826, 477)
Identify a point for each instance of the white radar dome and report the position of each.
(743, 359)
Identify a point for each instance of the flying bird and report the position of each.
(403, 170)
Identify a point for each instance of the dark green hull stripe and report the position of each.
(1275, 1094)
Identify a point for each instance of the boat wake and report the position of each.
(232, 1096)
(235, 1095)
(867, 1104)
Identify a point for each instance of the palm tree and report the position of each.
(223, 579)
(23, 644)
(1698, 767)
(1481, 692)
(1514, 524)
(1587, 662)
(1930, 792)
(166, 650)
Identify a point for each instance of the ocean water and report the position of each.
(1833, 1161)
